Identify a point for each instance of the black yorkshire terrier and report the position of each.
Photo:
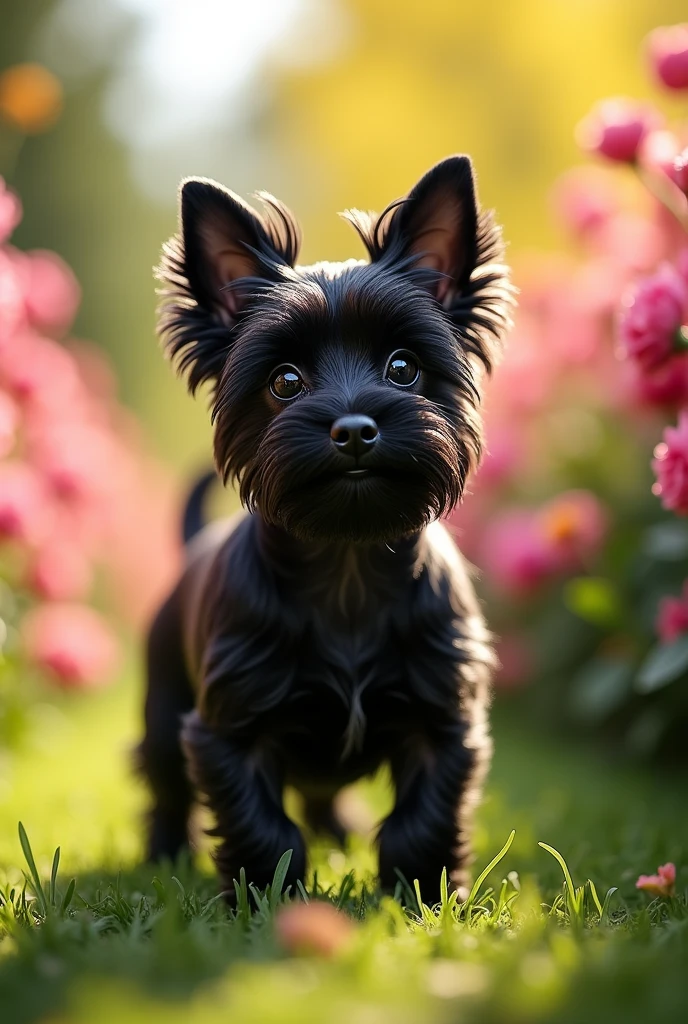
(333, 626)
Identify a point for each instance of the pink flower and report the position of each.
(515, 552)
(672, 617)
(652, 313)
(12, 307)
(584, 200)
(24, 515)
(40, 372)
(616, 127)
(60, 572)
(668, 54)
(9, 420)
(573, 525)
(315, 929)
(663, 385)
(671, 467)
(661, 884)
(70, 642)
(52, 292)
(10, 211)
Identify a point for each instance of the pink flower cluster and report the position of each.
(598, 355)
(76, 491)
(661, 884)
(524, 548)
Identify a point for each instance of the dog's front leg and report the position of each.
(428, 829)
(245, 795)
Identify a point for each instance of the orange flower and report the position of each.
(30, 97)
(313, 928)
(661, 884)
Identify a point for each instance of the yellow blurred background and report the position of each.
(326, 103)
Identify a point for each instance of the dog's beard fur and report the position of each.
(235, 308)
(342, 337)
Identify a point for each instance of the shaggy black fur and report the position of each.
(333, 627)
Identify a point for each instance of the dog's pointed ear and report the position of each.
(223, 241)
(224, 252)
(438, 222)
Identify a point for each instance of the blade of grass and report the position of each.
(68, 896)
(604, 916)
(595, 897)
(53, 878)
(278, 878)
(35, 877)
(485, 872)
(564, 867)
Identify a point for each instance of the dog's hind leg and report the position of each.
(160, 755)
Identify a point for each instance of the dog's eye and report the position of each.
(402, 369)
(286, 383)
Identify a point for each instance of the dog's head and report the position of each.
(345, 395)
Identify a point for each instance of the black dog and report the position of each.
(333, 627)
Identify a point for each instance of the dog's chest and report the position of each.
(355, 691)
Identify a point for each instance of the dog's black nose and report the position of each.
(354, 434)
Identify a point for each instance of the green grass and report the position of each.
(129, 944)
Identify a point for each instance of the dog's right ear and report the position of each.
(224, 253)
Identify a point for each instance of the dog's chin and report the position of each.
(360, 508)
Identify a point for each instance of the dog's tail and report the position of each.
(193, 519)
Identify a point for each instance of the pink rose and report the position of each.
(668, 54)
(661, 884)
(70, 642)
(671, 467)
(10, 211)
(24, 514)
(52, 292)
(672, 618)
(616, 127)
(663, 385)
(60, 572)
(652, 313)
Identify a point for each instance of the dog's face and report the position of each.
(345, 395)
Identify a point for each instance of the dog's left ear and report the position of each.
(438, 222)
(224, 252)
(454, 250)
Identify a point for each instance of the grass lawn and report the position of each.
(131, 947)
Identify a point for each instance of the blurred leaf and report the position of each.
(600, 688)
(594, 600)
(666, 541)
(664, 664)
